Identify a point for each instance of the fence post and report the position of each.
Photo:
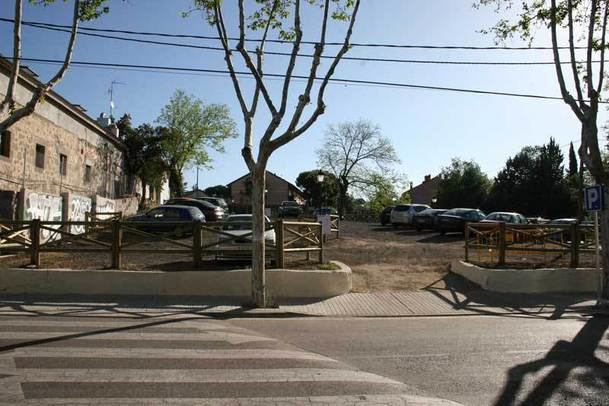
(501, 260)
(196, 243)
(117, 237)
(35, 245)
(574, 246)
(466, 236)
(321, 245)
(279, 244)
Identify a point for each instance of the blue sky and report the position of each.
(427, 128)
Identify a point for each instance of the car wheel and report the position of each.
(418, 229)
(395, 225)
(442, 232)
(179, 232)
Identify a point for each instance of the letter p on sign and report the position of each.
(593, 197)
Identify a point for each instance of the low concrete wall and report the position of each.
(544, 280)
(282, 283)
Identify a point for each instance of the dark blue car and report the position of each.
(170, 215)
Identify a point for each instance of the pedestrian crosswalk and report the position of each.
(172, 360)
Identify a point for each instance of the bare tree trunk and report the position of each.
(343, 187)
(258, 250)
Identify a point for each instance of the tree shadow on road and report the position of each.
(462, 294)
(571, 372)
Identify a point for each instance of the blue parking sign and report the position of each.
(594, 198)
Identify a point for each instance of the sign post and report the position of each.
(595, 201)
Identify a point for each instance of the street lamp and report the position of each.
(320, 180)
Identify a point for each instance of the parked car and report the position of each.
(324, 211)
(168, 214)
(289, 208)
(385, 216)
(402, 214)
(454, 220)
(505, 217)
(216, 201)
(240, 225)
(211, 212)
(537, 220)
(427, 219)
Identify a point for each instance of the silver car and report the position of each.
(402, 214)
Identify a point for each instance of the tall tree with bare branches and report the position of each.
(10, 111)
(270, 17)
(579, 28)
(358, 155)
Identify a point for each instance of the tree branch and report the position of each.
(578, 86)
(9, 98)
(601, 73)
(290, 134)
(42, 90)
(250, 64)
(590, 46)
(561, 79)
(260, 57)
(246, 152)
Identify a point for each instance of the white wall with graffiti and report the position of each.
(79, 206)
(46, 208)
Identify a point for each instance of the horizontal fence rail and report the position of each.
(116, 238)
(534, 245)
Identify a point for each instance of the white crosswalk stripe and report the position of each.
(76, 361)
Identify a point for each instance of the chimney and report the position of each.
(113, 128)
(427, 178)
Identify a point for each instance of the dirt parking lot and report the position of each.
(382, 258)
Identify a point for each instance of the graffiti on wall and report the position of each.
(79, 206)
(46, 208)
(103, 205)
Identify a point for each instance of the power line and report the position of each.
(279, 41)
(277, 75)
(347, 58)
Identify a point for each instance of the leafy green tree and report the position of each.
(462, 184)
(358, 155)
(10, 112)
(533, 182)
(584, 24)
(144, 155)
(318, 194)
(285, 123)
(190, 128)
(218, 191)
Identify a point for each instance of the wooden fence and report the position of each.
(197, 239)
(529, 245)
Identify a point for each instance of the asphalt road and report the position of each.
(473, 360)
(130, 358)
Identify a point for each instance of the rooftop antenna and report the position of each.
(111, 92)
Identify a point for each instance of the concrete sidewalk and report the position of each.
(427, 302)
(443, 303)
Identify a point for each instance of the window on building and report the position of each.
(87, 173)
(5, 143)
(63, 165)
(39, 156)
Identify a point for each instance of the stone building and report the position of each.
(277, 190)
(57, 151)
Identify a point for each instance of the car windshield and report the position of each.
(419, 209)
(403, 207)
(243, 222)
(289, 203)
(457, 212)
